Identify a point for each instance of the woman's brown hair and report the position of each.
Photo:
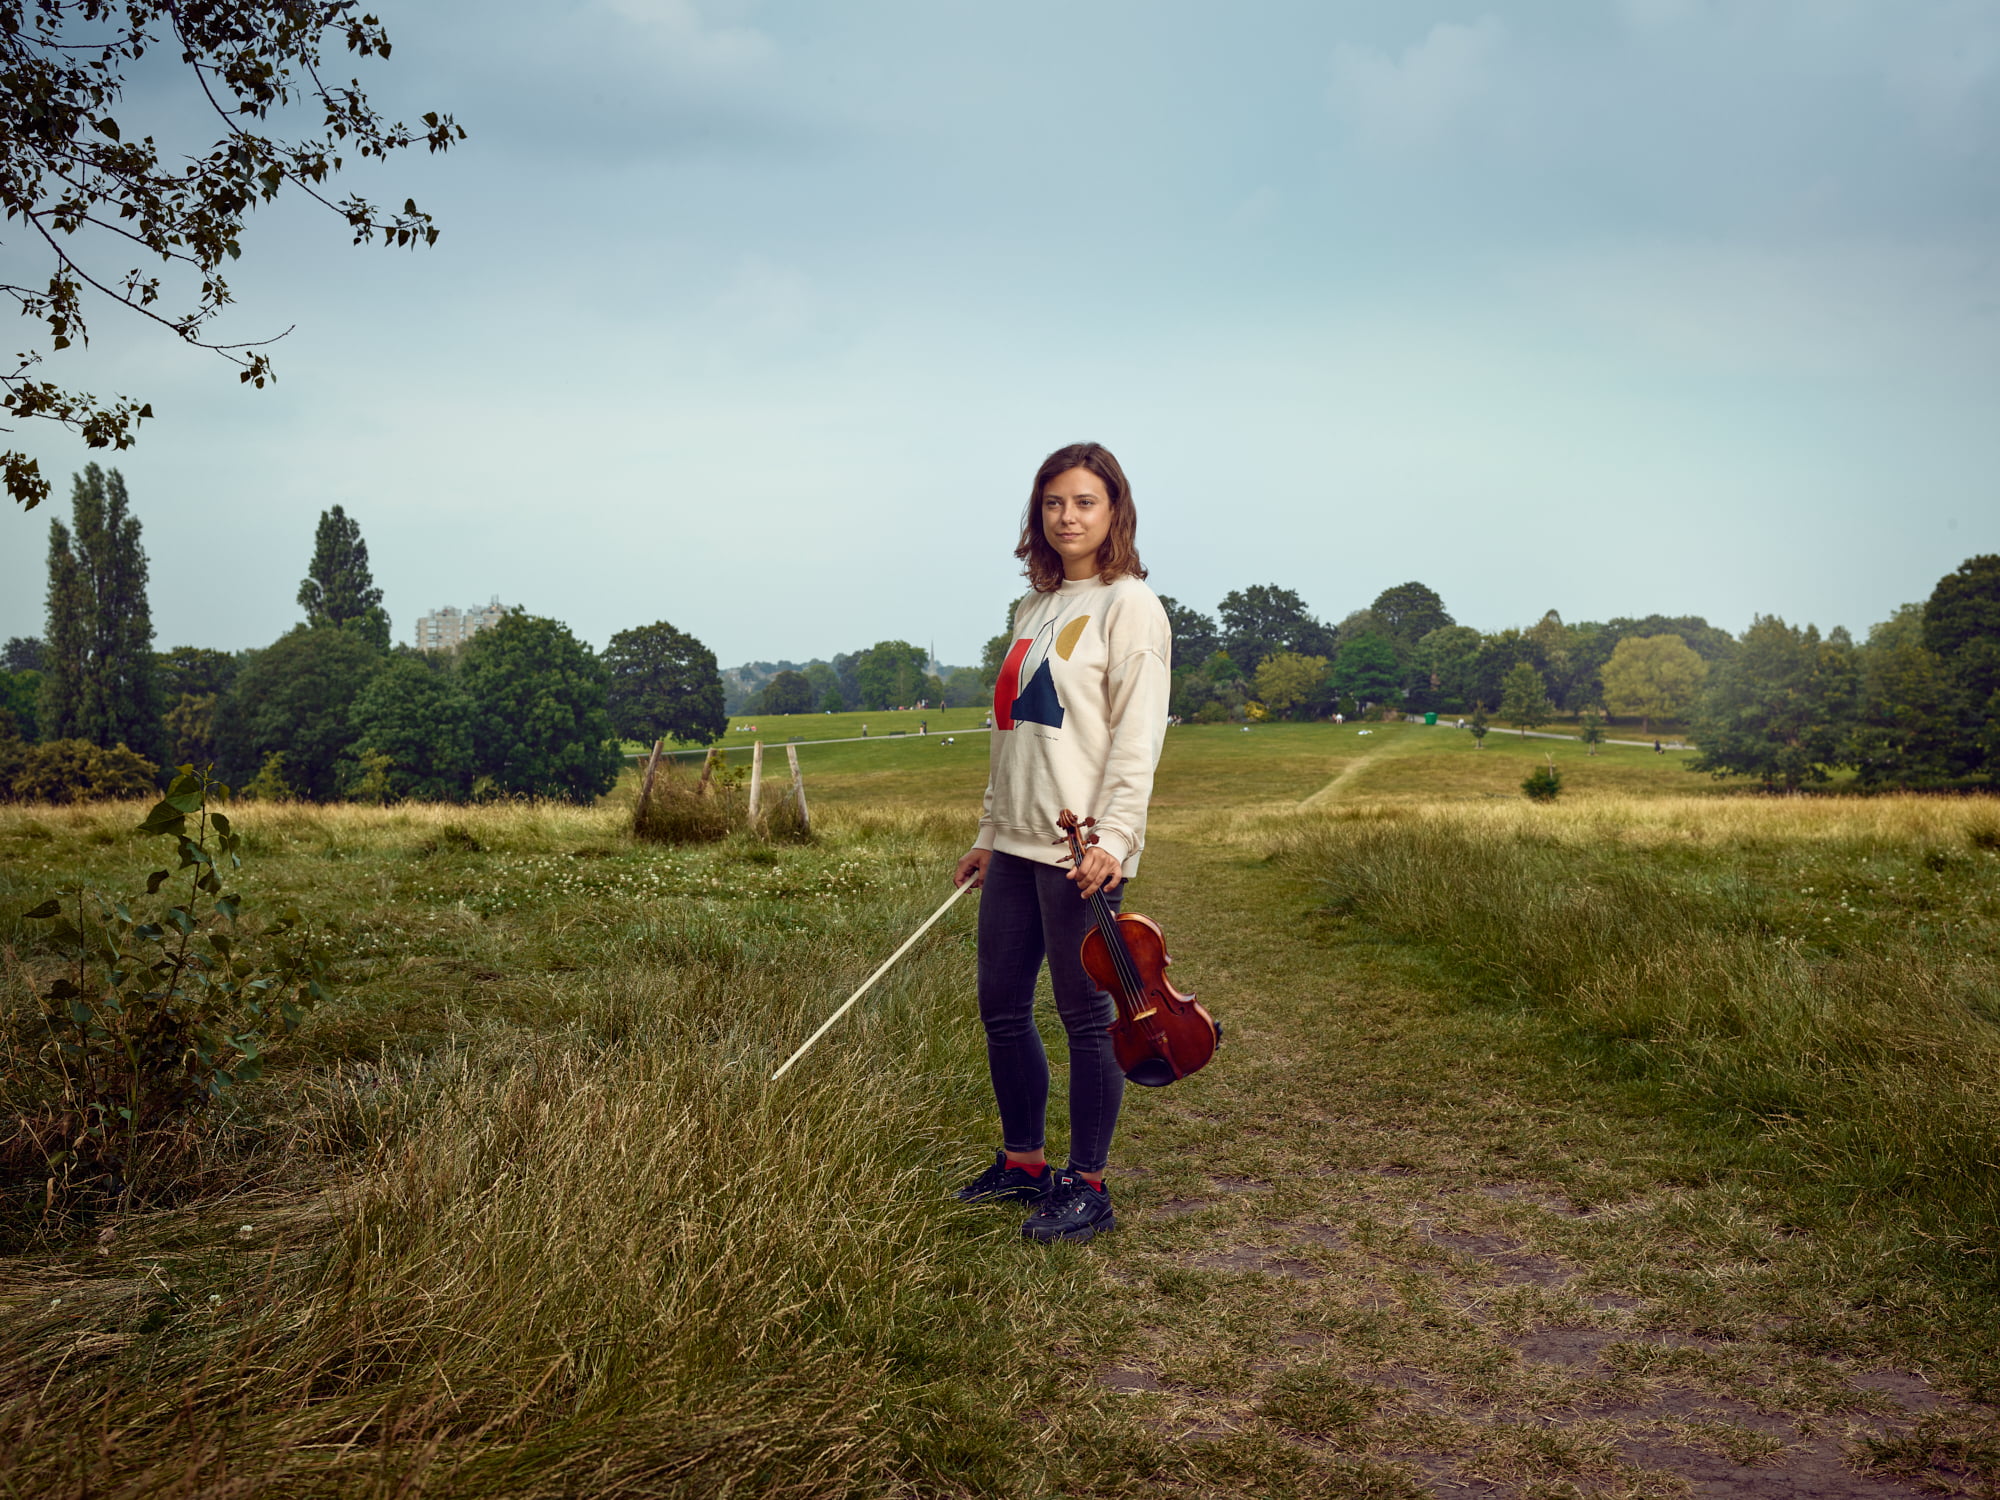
(1118, 557)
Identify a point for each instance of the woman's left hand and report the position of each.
(1098, 871)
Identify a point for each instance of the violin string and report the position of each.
(1121, 960)
(1107, 928)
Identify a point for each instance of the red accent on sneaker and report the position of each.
(1094, 1186)
(1036, 1171)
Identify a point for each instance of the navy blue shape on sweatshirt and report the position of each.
(1038, 703)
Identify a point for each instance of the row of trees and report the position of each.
(1916, 705)
(889, 674)
(330, 709)
(1264, 646)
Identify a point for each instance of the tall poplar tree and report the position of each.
(338, 589)
(98, 682)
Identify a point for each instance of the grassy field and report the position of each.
(1608, 1148)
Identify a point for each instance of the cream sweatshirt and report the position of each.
(1079, 717)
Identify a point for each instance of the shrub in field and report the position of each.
(78, 771)
(778, 815)
(683, 810)
(1544, 783)
(146, 1021)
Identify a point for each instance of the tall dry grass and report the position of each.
(579, 1244)
(1825, 973)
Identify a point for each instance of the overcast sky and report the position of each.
(757, 317)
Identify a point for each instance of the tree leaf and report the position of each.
(164, 818)
(48, 908)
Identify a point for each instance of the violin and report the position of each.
(1159, 1035)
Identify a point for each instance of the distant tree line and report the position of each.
(332, 710)
(1264, 653)
(1916, 706)
(889, 674)
(329, 710)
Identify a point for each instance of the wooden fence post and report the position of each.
(706, 784)
(646, 786)
(799, 789)
(756, 779)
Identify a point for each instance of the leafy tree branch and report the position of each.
(78, 182)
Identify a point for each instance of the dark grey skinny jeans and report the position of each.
(1028, 911)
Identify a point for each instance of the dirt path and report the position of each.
(1385, 1248)
(1366, 755)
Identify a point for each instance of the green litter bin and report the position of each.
(1430, 719)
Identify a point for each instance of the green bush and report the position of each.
(148, 1021)
(78, 771)
(1544, 783)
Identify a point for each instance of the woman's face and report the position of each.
(1076, 518)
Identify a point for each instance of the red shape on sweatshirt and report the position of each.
(1007, 686)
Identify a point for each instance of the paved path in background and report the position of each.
(1543, 734)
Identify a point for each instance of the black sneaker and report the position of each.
(1001, 1183)
(1071, 1210)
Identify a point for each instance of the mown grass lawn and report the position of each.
(519, 1214)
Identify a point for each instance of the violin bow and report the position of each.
(866, 984)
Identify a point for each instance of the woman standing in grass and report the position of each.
(1079, 716)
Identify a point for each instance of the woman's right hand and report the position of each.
(972, 868)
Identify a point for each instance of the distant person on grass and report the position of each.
(1079, 718)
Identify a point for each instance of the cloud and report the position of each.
(690, 37)
(1415, 99)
